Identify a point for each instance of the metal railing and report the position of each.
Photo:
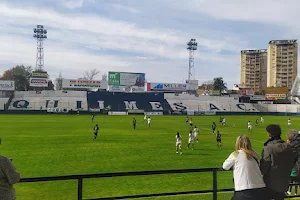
(80, 178)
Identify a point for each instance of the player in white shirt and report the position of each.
(145, 117)
(262, 119)
(196, 133)
(249, 127)
(224, 121)
(149, 121)
(289, 122)
(191, 140)
(178, 143)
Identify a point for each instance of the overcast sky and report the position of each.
(147, 36)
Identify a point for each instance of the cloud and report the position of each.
(120, 7)
(85, 40)
(73, 4)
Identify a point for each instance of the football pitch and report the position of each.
(52, 145)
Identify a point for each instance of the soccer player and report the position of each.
(92, 118)
(96, 129)
(196, 133)
(224, 121)
(145, 117)
(191, 122)
(219, 139)
(221, 120)
(289, 122)
(191, 140)
(178, 143)
(256, 122)
(134, 123)
(262, 119)
(249, 127)
(187, 120)
(213, 127)
(149, 121)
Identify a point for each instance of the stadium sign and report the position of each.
(116, 88)
(38, 82)
(126, 79)
(84, 84)
(137, 89)
(275, 96)
(39, 75)
(167, 87)
(7, 85)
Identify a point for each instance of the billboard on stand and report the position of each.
(38, 82)
(126, 79)
(167, 87)
(7, 85)
(84, 84)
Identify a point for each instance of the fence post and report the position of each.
(215, 185)
(80, 189)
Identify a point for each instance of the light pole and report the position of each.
(40, 34)
(191, 46)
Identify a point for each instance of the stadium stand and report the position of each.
(3, 102)
(147, 102)
(34, 100)
(208, 103)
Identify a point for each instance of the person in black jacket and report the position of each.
(293, 138)
(278, 160)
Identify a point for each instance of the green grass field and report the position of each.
(49, 145)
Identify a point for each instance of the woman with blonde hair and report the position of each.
(248, 181)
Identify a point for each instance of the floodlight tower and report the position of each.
(40, 34)
(191, 46)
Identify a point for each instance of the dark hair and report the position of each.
(177, 134)
(274, 130)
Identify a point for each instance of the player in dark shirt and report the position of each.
(92, 118)
(134, 123)
(96, 129)
(256, 122)
(213, 127)
(187, 120)
(221, 120)
(219, 139)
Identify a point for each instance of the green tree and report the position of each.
(208, 85)
(20, 74)
(219, 84)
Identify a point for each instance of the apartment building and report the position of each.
(282, 63)
(254, 69)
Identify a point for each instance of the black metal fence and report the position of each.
(214, 191)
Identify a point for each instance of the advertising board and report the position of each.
(277, 90)
(167, 87)
(137, 89)
(38, 82)
(153, 113)
(84, 84)
(215, 93)
(39, 75)
(126, 79)
(113, 88)
(117, 113)
(275, 96)
(7, 85)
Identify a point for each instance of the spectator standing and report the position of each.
(277, 162)
(293, 138)
(248, 182)
(8, 177)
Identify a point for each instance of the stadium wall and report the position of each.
(185, 102)
(133, 102)
(32, 100)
